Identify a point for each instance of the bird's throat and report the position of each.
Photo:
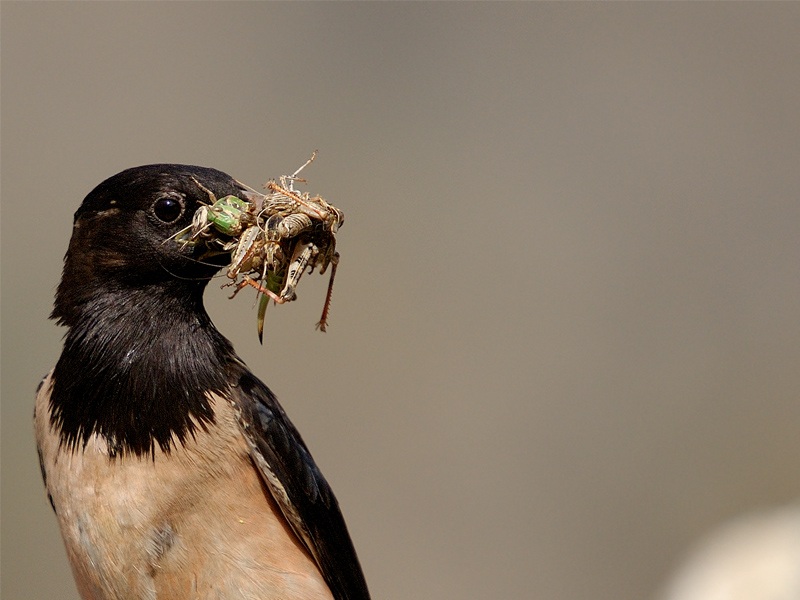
(137, 368)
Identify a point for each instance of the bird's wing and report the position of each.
(298, 486)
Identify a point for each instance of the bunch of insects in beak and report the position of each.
(273, 238)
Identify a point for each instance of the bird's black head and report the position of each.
(123, 234)
(141, 353)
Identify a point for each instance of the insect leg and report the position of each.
(305, 164)
(323, 320)
(253, 283)
(302, 256)
(211, 195)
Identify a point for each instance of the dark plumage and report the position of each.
(145, 377)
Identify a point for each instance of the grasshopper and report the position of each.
(310, 246)
(273, 239)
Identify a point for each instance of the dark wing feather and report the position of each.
(299, 488)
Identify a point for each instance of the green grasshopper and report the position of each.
(228, 215)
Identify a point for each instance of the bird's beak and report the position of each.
(253, 198)
(216, 257)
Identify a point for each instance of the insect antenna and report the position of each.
(177, 234)
(244, 185)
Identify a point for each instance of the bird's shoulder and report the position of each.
(298, 486)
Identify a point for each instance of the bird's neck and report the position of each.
(137, 366)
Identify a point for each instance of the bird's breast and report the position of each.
(196, 522)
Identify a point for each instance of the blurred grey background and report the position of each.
(565, 336)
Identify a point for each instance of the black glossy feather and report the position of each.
(141, 354)
(306, 499)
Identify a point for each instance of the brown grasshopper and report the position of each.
(275, 238)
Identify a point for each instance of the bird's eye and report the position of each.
(168, 209)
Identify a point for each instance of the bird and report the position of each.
(173, 471)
